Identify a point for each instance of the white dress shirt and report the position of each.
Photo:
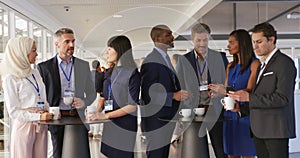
(20, 94)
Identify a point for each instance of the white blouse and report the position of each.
(20, 94)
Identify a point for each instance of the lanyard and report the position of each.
(36, 85)
(109, 91)
(203, 68)
(68, 78)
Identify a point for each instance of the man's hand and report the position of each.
(77, 103)
(216, 90)
(96, 116)
(181, 95)
(240, 95)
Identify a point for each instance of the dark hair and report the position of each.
(123, 48)
(245, 49)
(200, 28)
(157, 31)
(267, 29)
(62, 31)
(95, 64)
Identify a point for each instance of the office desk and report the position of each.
(75, 143)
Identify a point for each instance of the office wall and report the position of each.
(295, 143)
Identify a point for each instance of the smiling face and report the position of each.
(65, 45)
(200, 41)
(166, 38)
(111, 55)
(233, 45)
(32, 54)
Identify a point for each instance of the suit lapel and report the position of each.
(162, 61)
(77, 74)
(266, 68)
(191, 58)
(56, 76)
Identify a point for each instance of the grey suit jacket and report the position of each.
(272, 99)
(84, 86)
(187, 75)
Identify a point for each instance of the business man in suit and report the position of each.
(209, 67)
(65, 74)
(271, 102)
(161, 94)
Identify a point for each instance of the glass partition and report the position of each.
(3, 29)
(49, 45)
(37, 36)
(21, 28)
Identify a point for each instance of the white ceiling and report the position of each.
(93, 23)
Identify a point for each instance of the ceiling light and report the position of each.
(117, 16)
(293, 15)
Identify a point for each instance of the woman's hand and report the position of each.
(95, 116)
(46, 116)
(33, 109)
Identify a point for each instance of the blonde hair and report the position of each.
(15, 61)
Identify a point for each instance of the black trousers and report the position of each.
(57, 137)
(216, 138)
(271, 148)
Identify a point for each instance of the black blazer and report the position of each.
(156, 73)
(84, 87)
(271, 103)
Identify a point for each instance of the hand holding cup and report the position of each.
(228, 103)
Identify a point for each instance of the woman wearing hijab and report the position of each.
(25, 99)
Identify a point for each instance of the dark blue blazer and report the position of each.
(158, 85)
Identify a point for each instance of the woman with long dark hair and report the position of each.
(121, 95)
(240, 75)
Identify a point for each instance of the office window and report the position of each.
(3, 29)
(37, 36)
(21, 26)
(49, 45)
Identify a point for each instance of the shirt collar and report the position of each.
(269, 57)
(161, 52)
(60, 60)
(196, 55)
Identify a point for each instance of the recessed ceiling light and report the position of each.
(293, 15)
(117, 16)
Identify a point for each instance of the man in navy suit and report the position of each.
(59, 75)
(208, 66)
(271, 102)
(161, 94)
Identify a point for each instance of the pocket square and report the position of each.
(268, 73)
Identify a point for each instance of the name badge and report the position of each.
(108, 105)
(69, 93)
(203, 87)
(41, 105)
